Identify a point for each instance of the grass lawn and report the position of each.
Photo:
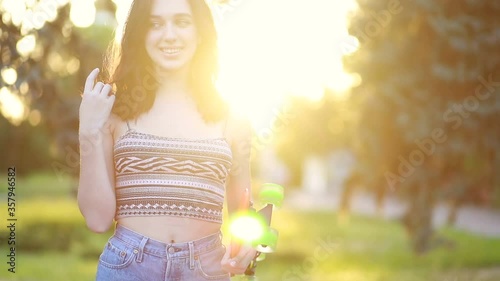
(312, 246)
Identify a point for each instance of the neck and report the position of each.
(173, 85)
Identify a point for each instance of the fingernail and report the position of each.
(233, 263)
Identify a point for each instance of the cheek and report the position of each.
(190, 36)
(151, 39)
(193, 40)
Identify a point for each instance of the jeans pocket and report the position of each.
(209, 266)
(117, 254)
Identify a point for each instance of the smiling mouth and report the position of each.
(171, 51)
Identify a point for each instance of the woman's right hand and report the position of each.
(96, 104)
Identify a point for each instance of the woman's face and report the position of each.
(172, 37)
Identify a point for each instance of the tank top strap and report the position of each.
(225, 126)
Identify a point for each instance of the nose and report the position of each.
(169, 33)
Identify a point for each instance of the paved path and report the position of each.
(477, 220)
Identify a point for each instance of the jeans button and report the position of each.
(171, 250)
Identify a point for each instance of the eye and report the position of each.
(155, 25)
(183, 22)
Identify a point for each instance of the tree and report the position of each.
(45, 59)
(429, 98)
(318, 127)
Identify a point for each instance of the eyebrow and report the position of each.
(176, 15)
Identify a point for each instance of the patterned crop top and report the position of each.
(165, 176)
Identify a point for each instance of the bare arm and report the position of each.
(240, 175)
(96, 196)
(237, 257)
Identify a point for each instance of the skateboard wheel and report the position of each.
(268, 242)
(272, 193)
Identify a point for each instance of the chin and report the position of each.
(171, 67)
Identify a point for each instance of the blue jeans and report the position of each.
(130, 256)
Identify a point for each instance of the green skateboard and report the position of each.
(253, 227)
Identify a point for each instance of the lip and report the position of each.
(171, 51)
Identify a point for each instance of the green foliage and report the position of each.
(49, 83)
(368, 249)
(424, 66)
(54, 244)
(317, 128)
(50, 225)
(363, 249)
(43, 186)
(428, 69)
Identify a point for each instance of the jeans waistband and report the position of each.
(144, 244)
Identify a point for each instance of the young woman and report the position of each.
(160, 150)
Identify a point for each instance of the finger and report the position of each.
(111, 100)
(248, 258)
(106, 89)
(244, 257)
(225, 262)
(226, 254)
(89, 83)
(235, 248)
(245, 200)
(98, 87)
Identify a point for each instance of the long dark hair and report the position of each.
(131, 72)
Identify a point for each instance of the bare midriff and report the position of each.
(170, 229)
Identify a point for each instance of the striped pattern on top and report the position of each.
(157, 176)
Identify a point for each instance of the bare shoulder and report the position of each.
(113, 122)
(239, 127)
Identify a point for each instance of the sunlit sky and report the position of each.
(274, 48)
(269, 49)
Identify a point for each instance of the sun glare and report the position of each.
(122, 9)
(273, 49)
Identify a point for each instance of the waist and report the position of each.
(166, 229)
(177, 249)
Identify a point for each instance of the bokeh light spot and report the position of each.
(35, 117)
(82, 13)
(26, 45)
(11, 106)
(9, 75)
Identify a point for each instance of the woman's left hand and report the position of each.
(239, 262)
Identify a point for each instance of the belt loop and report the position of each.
(191, 255)
(141, 249)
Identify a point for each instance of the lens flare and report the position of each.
(248, 227)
